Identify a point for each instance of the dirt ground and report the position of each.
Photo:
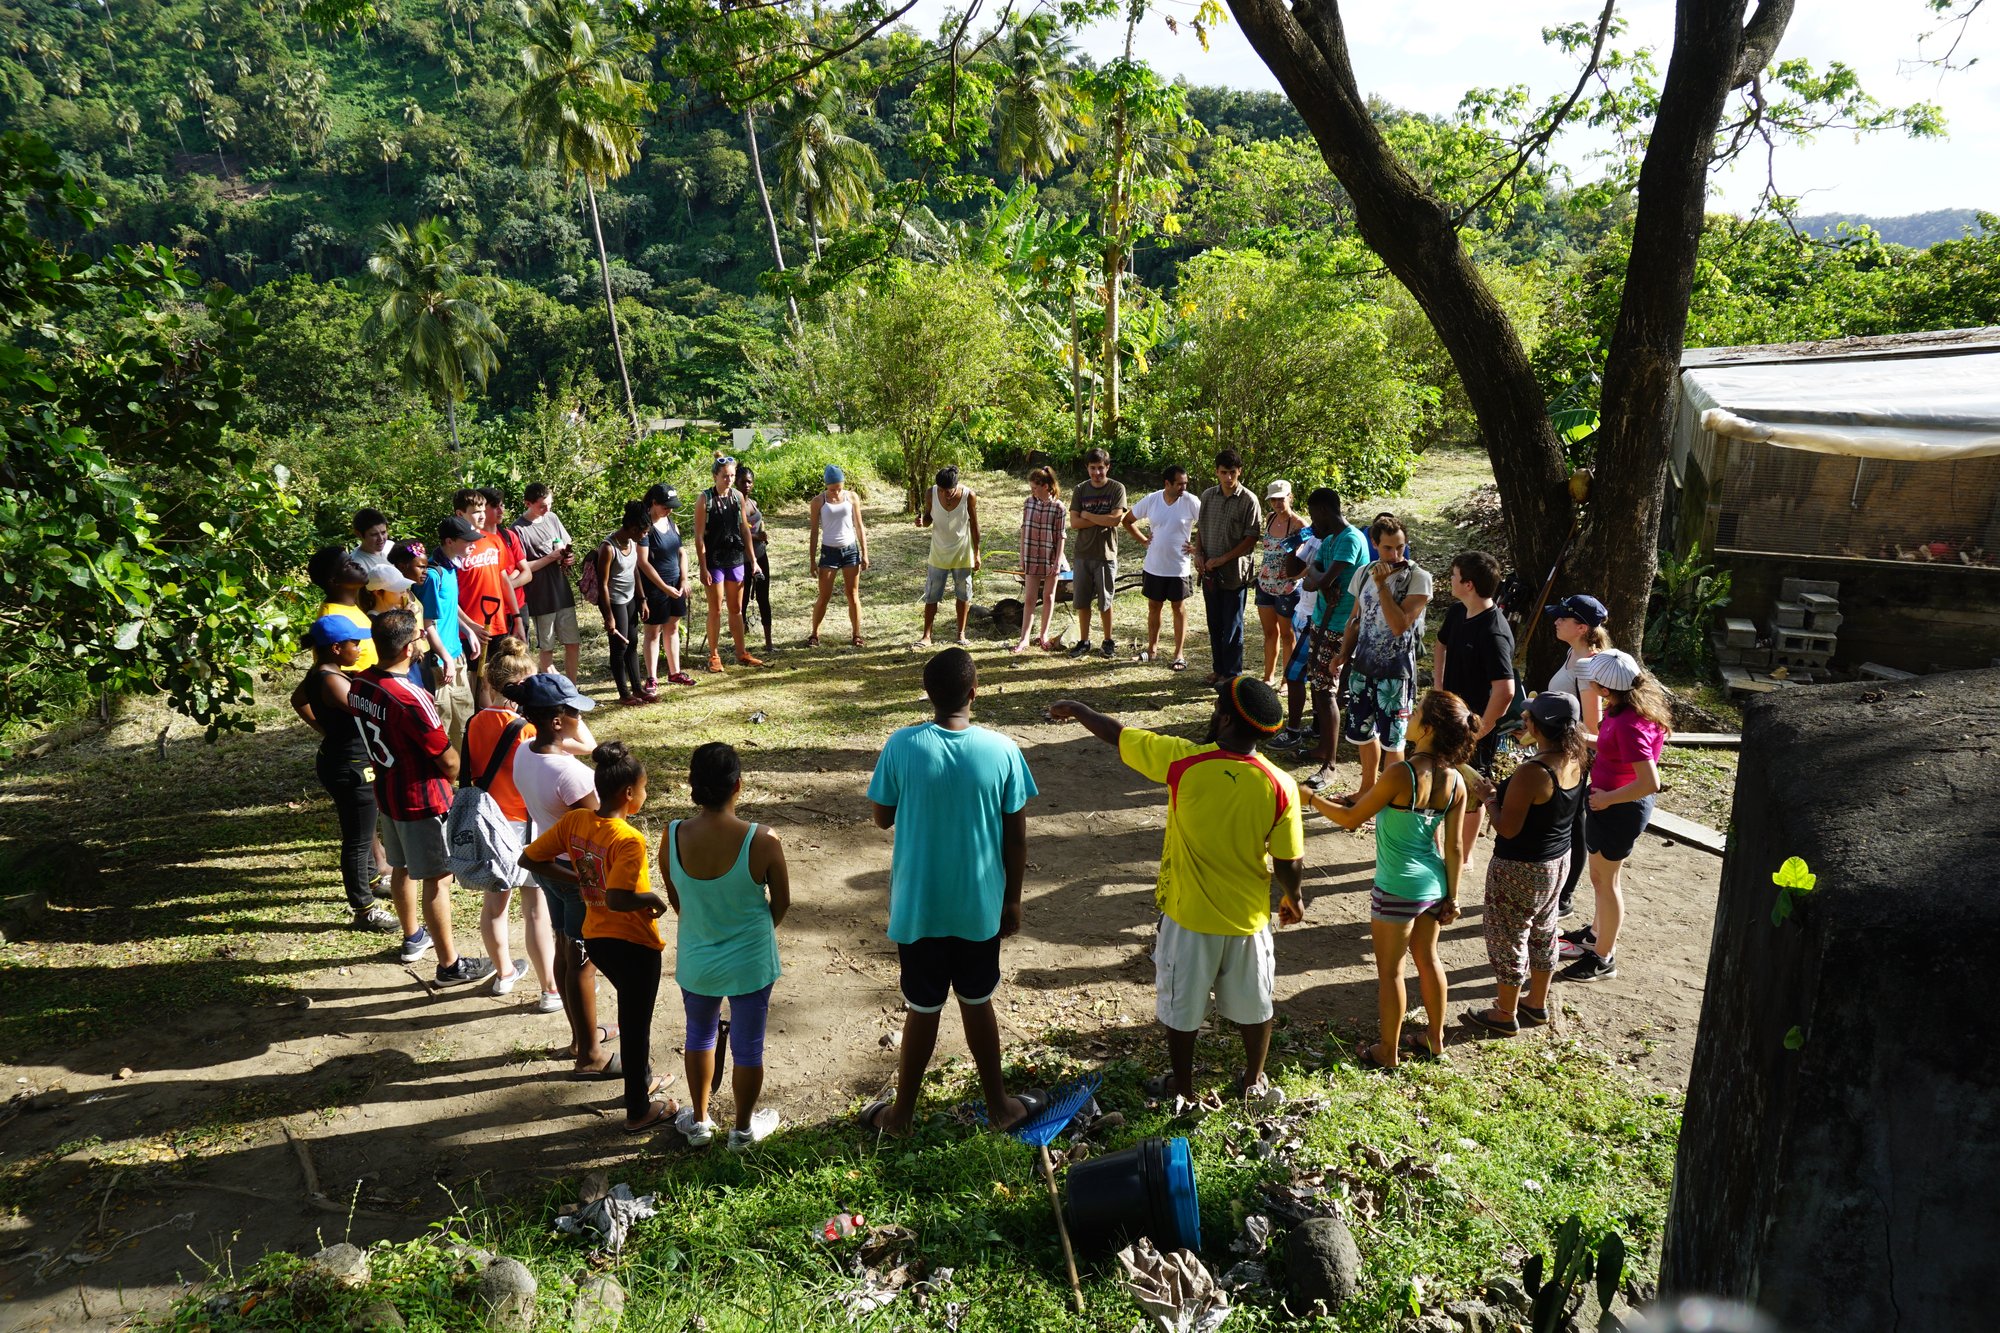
(423, 1102)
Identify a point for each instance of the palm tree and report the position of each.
(128, 123)
(194, 37)
(432, 325)
(173, 113)
(1035, 111)
(221, 127)
(580, 112)
(390, 150)
(819, 167)
(764, 198)
(454, 65)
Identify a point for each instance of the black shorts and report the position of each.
(662, 607)
(1162, 588)
(934, 968)
(1614, 831)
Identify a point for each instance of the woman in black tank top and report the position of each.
(1531, 812)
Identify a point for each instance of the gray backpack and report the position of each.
(481, 847)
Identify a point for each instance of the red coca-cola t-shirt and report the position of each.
(483, 594)
(400, 728)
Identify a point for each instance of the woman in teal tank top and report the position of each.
(1416, 805)
(729, 886)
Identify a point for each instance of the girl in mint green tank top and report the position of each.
(1416, 805)
(729, 886)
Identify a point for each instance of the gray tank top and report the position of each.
(624, 565)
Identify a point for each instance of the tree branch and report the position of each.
(1541, 138)
(1761, 36)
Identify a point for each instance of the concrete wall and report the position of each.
(1853, 1184)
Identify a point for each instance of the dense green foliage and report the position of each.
(552, 212)
(139, 539)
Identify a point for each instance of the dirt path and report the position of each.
(411, 1103)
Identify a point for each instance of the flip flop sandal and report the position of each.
(613, 1068)
(1413, 1042)
(658, 1083)
(859, 642)
(1365, 1057)
(812, 640)
(1032, 1104)
(661, 1112)
(1180, 664)
(871, 1114)
(1478, 1018)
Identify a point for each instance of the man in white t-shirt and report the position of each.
(1167, 574)
(371, 530)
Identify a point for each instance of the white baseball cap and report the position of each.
(1614, 669)
(388, 578)
(1278, 488)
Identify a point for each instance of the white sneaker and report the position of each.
(697, 1132)
(504, 983)
(1570, 952)
(550, 1003)
(761, 1124)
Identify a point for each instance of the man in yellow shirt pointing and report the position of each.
(1233, 826)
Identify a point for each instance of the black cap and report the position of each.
(456, 529)
(664, 496)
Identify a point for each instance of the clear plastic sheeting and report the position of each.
(1915, 409)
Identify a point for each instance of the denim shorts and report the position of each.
(1286, 603)
(1614, 831)
(840, 557)
(565, 907)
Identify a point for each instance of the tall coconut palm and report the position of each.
(579, 112)
(128, 123)
(173, 113)
(432, 327)
(1036, 111)
(764, 198)
(822, 169)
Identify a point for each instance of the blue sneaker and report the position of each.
(416, 946)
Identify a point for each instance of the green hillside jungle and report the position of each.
(271, 160)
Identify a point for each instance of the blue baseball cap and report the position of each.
(550, 689)
(1580, 607)
(832, 475)
(329, 630)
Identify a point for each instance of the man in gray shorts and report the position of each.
(551, 601)
(1096, 508)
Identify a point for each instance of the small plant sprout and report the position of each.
(1794, 881)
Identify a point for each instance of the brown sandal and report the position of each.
(661, 1112)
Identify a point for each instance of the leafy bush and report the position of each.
(1686, 595)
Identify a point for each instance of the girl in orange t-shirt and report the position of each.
(608, 864)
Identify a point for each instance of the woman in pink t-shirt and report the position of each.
(1636, 720)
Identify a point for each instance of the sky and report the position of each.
(1423, 56)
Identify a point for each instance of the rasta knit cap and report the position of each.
(1256, 703)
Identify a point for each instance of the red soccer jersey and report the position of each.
(399, 725)
(483, 594)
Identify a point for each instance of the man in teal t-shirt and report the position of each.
(1343, 549)
(957, 797)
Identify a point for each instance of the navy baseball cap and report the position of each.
(551, 689)
(1580, 607)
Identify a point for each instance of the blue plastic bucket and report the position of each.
(1147, 1190)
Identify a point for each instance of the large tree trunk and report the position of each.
(1617, 554)
(764, 198)
(1305, 46)
(611, 306)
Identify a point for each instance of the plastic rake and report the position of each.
(1040, 1129)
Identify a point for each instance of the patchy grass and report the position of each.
(1448, 1174)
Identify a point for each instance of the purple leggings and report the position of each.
(747, 1017)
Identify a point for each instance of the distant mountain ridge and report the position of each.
(1916, 230)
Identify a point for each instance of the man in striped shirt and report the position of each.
(414, 765)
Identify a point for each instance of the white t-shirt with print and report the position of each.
(1377, 651)
(1172, 525)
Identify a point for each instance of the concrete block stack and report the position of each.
(1793, 646)
(1804, 626)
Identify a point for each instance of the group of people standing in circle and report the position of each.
(425, 673)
